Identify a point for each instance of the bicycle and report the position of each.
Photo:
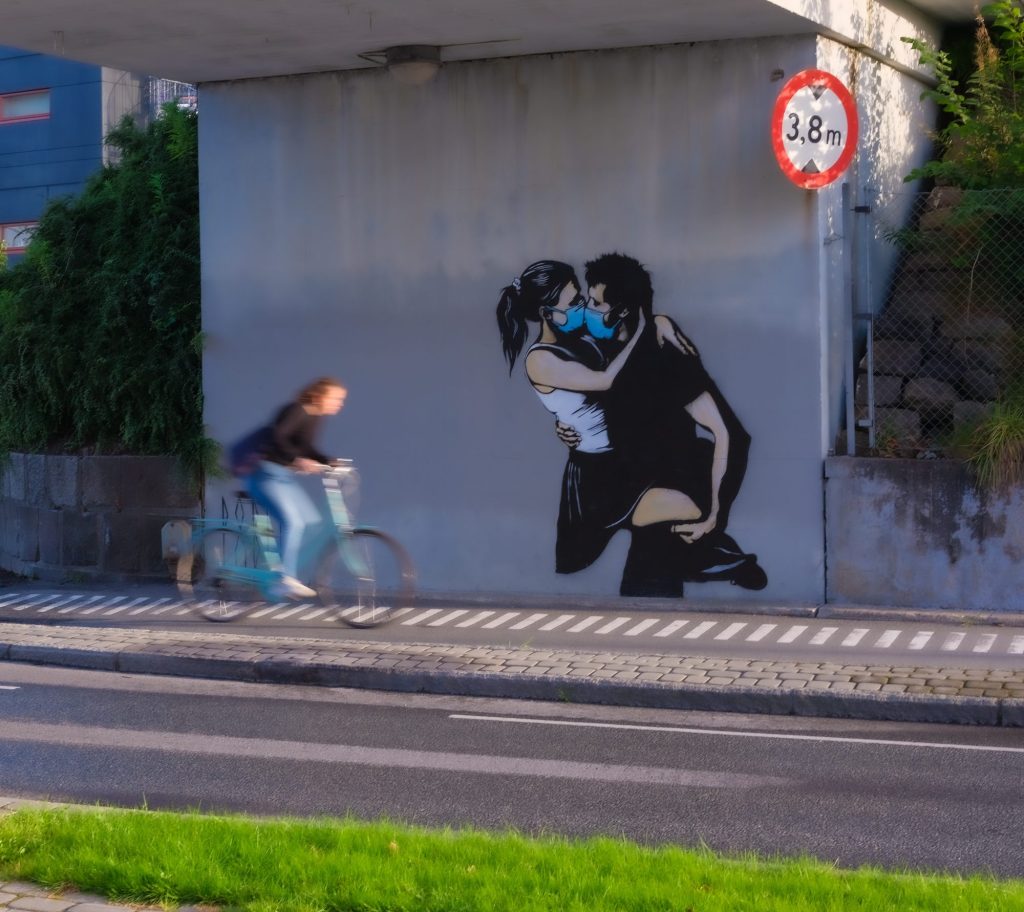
(365, 573)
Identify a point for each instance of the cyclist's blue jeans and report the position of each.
(302, 525)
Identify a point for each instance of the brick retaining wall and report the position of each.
(81, 517)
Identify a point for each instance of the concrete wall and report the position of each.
(358, 227)
(920, 533)
(71, 517)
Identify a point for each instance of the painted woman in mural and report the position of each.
(653, 446)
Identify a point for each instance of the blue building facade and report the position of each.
(51, 135)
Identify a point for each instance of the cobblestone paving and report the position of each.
(256, 658)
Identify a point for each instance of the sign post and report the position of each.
(814, 129)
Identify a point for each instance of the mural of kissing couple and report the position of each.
(653, 445)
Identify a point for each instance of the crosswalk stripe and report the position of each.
(36, 601)
(88, 601)
(175, 604)
(888, 638)
(761, 633)
(641, 627)
(422, 616)
(953, 641)
(612, 625)
(790, 635)
(921, 639)
(117, 610)
(105, 603)
(149, 607)
(59, 603)
(450, 616)
(1016, 646)
(9, 600)
(291, 611)
(528, 622)
(475, 619)
(585, 623)
(277, 606)
(313, 614)
(669, 629)
(501, 619)
(70, 604)
(730, 631)
(699, 630)
(558, 621)
(854, 636)
(822, 636)
(984, 643)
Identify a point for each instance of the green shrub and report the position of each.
(100, 341)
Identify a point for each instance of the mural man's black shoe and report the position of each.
(717, 558)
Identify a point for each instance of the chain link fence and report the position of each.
(947, 343)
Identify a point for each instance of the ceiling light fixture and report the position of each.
(412, 64)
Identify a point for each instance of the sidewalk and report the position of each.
(909, 693)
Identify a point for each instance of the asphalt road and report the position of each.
(895, 795)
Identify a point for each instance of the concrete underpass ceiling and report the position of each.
(212, 40)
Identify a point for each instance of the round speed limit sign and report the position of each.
(814, 128)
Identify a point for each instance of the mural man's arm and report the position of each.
(705, 412)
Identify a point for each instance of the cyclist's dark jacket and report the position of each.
(292, 434)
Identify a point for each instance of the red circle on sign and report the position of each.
(805, 78)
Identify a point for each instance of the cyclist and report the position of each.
(286, 449)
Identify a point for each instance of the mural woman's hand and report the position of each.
(568, 435)
(667, 331)
(695, 531)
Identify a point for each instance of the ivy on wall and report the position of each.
(100, 339)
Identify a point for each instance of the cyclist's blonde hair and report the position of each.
(311, 392)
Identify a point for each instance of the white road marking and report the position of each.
(59, 603)
(953, 641)
(277, 606)
(149, 607)
(637, 629)
(475, 619)
(699, 630)
(854, 636)
(422, 616)
(760, 633)
(75, 602)
(792, 633)
(612, 625)
(558, 621)
(1016, 646)
(887, 639)
(984, 643)
(937, 745)
(175, 604)
(528, 622)
(291, 611)
(585, 623)
(35, 601)
(313, 614)
(8, 687)
(501, 619)
(921, 639)
(730, 631)
(671, 628)
(88, 601)
(822, 636)
(206, 744)
(106, 603)
(445, 618)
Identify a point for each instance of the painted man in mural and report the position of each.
(653, 446)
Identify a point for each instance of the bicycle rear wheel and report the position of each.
(368, 577)
(216, 595)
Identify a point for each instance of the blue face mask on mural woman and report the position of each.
(597, 327)
(571, 319)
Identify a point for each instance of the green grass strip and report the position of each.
(325, 865)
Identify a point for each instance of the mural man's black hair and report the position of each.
(627, 283)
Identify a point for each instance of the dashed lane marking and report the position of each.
(984, 643)
(558, 622)
(854, 636)
(637, 629)
(790, 635)
(528, 622)
(672, 628)
(501, 619)
(953, 641)
(761, 633)
(447, 618)
(822, 636)
(612, 625)
(887, 639)
(475, 619)
(730, 631)
(585, 623)
(921, 639)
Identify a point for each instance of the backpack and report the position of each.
(244, 453)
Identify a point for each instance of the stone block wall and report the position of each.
(89, 517)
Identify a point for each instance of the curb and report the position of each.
(307, 668)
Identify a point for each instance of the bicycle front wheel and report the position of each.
(210, 575)
(368, 576)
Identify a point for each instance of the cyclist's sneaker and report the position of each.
(290, 587)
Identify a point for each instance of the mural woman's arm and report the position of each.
(546, 369)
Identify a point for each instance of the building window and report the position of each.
(15, 237)
(25, 106)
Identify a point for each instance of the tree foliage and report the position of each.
(982, 144)
(100, 343)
